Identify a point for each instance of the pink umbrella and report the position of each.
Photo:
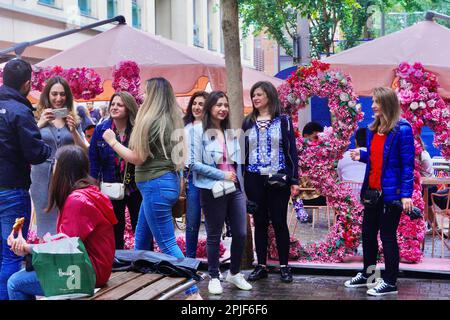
(372, 64)
(156, 56)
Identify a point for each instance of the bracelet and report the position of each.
(115, 142)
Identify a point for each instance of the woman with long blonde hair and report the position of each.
(151, 149)
(387, 189)
(59, 125)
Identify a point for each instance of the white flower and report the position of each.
(358, 107)
(352, 104)
(291, 98)
(344, 81)
(445, 114)
(422, 105)
(344, 96)
(339, 76)
(403, 83)
(298, 101)
(414, 105)
(431, 103)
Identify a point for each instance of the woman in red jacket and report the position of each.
(84, 212)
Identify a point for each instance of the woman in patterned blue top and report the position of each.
(271, 171)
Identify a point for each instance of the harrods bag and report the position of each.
(63, 268)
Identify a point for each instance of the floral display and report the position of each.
(201, 247)
(317, 159)
(126, 78)
(421, 106)
(85, 83)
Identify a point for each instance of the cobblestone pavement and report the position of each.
(325, 287)
(307, 287)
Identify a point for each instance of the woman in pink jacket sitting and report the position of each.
(84, 212)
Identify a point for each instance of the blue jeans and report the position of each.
(155, 216)
(24, 285)
(193, 217)
(14, 203)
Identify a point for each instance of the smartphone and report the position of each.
(61, 113)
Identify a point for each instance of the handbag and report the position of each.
(223, 187)
(179, 208)
(115, 190)
(277, 180)
(370, 198)
(63, 268)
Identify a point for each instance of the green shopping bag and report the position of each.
(64, 269)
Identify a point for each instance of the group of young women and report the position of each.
(138, 146)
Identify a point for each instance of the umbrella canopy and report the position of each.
(156, 56)
(372, 64)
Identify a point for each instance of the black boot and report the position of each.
(260, 272)
(286, 274)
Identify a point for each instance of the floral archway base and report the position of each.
(317, 160)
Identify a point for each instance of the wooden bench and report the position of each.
(138, 286)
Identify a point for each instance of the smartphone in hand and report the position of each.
(61, 113)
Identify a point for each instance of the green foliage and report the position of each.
(278, 18)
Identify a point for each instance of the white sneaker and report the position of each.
(214, 286)
(239, 281)
(221, 278)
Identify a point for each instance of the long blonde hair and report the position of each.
(157, 118)
(44, 99)
(390, 110)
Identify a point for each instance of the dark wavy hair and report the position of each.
(71, 173)
(189, 117)
(272, 95)
(209, 104)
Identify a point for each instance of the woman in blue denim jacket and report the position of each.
(108, 166)
(194, 115)
(217, 163)
(387, 189)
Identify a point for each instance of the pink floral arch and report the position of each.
(421, 105)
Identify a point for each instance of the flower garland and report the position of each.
(201, 246)
(317, 160)
(422, 106)
(126, 78)
(85, 83)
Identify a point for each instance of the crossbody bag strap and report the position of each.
(125, 172)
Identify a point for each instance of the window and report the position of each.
(112, 8)
(136, 15)
(85, 7)
(47, 2)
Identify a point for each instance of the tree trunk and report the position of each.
(230, 28)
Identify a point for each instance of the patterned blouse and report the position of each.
(266, 154)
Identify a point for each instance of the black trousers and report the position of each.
(272, 206)
(386, 220)
(133, 202)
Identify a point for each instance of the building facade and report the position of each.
(191, 22)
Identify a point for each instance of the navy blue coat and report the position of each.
(21, 143)
(397, 176)
(101, 155)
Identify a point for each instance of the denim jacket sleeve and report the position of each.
(198, 165)
(94, 156)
